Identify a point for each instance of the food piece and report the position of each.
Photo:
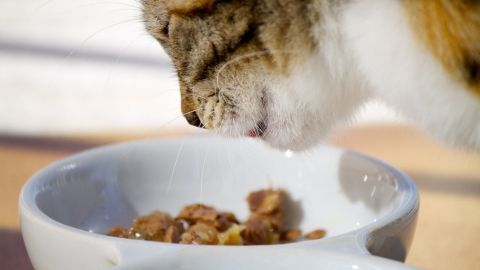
(266, 201)
(259, 230)
(119, 232)
(224, 221)
(156, 226)
(200, 224)
(291, 235)
(316, 234)
(200, 233)
(174, 233)
(153, 227)
(267, 217)
(232, 236)
(201, 213)
(198, 212)
(267, 207)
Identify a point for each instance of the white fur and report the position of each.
(318, 95)
(366, 48)
(405, 75)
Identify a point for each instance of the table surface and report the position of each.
(448, 228)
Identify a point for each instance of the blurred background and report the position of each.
(83, 73)
(83, 66)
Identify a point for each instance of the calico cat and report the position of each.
(288, 71)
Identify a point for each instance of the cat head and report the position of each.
(236, 60)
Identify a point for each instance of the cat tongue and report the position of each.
(252, 133)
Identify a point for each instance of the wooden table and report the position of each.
(448, 229)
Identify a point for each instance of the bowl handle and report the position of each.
(143, 255)
(252, 257)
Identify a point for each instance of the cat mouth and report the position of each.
(258, 131)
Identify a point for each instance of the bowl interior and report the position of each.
(329, 188)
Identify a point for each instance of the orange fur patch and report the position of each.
(188, 6)
(450, 29)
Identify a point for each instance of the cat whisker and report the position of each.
(202, 173)
(245, 56)
(139, 7)
(172, 173)
(110, 73)
(82, 44)
(175, 118)
(40, 7)
(192, 111)
(194, 95)
(125, 6)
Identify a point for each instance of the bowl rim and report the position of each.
(356, 239)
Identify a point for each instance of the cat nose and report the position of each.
(194, 120)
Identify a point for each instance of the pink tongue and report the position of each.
(252, 133)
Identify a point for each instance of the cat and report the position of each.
(288, 71)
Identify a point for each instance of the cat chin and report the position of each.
(278, 139)
(294, 134)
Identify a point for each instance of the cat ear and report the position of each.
(188, 6)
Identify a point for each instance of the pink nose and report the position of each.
(252, 133)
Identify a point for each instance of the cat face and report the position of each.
(289, 70)
(235, 60)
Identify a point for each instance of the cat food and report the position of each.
(200, 224)
(316, 234)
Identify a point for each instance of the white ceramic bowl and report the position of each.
(367, 207)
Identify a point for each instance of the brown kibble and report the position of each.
(200, 224)
(266, 201)
(316, 234)
(276, 219)
(201, 213)
(259, 230)
(198, 212)
(291, 235)
(200, 233)
(174, 233)
(224, 221)
(152, 227)
(256, 232)
(119, 232)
